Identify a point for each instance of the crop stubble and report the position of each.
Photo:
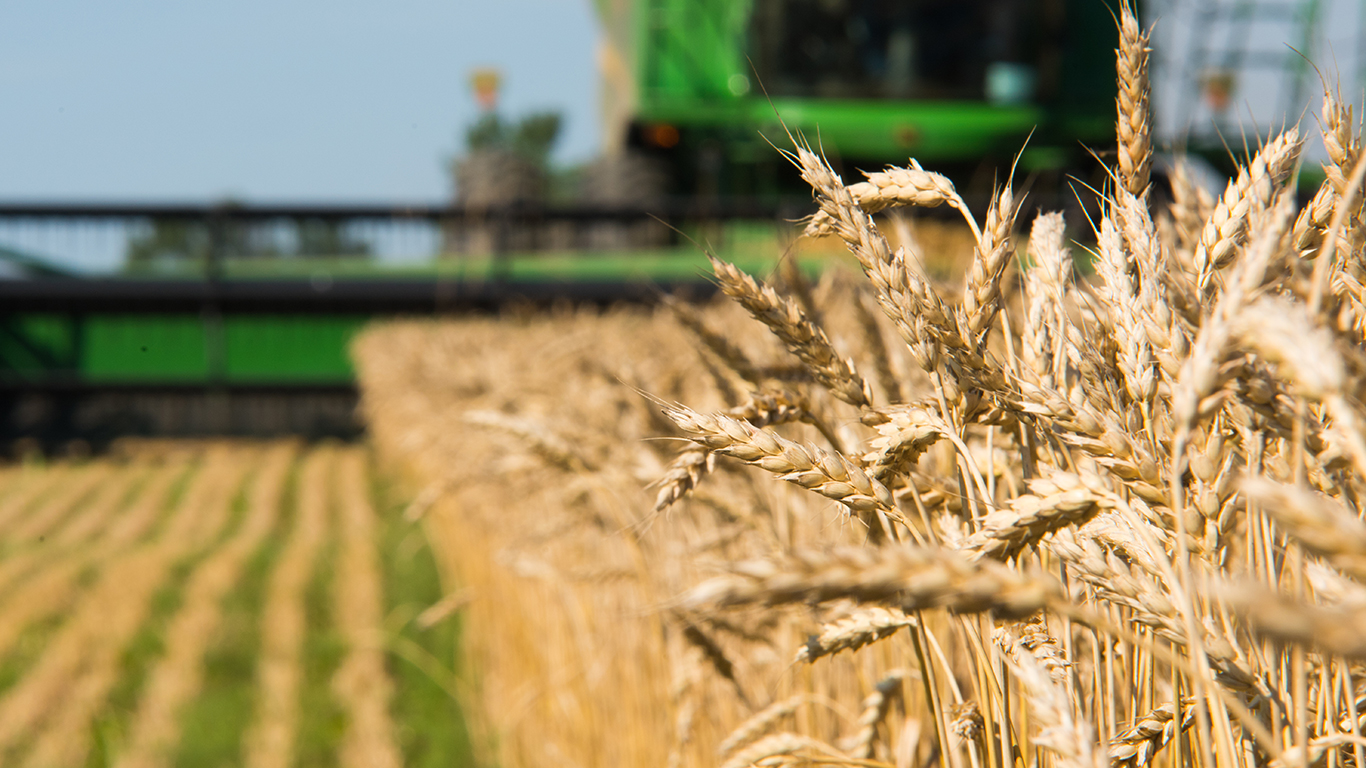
(361, 683)
(177, 677)
(270, 740)
(82, 580)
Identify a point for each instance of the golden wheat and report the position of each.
(1114, 519)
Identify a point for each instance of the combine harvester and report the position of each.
(693, 88)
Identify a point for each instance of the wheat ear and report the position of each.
(907, 578)
(542, 440)
(1133, 127)
(864, 627)
(1061, 731)
(1061, 500)
(781, 744)
(1046, 286)
(751, 729)
(1135, 745)
(1134, 353)
(1191, 206)
(1322, 525)
(725, 350)
(828, 474)
(1253, 189)
(695, 462)
(982, 293)
(896, 187)
(875, 708)
(1340, 631)
(903, 291)
(802, 336)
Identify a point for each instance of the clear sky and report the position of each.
(273, 100)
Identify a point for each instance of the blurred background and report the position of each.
(199, 205)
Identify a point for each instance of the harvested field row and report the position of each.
(270, 743)
(154, 611)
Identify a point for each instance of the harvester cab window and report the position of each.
(885, 49)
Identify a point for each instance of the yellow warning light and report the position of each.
(485, 83)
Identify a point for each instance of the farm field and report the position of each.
(219, 603)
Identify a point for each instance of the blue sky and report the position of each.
(273, 100)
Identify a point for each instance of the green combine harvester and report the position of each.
(697, 85)
(705, 86)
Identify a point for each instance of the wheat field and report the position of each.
(1027, 518)
(218, 603)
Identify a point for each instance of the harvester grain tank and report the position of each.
(705, 85)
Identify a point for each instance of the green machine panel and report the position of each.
(181, 348)
(140, 348)
(34, 346)
(289, 348)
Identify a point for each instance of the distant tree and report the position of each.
(318, 237)
(535, 136)
(488, 132)
(166, 243)
(531, 138)
(178, 244)
(505, 163)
